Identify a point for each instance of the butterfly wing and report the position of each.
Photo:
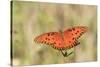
(52, 38)
(64, 40)
(72, 34)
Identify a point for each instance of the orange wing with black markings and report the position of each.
(64, 40)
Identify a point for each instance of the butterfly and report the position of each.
(62, 40)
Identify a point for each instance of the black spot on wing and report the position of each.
(72, 33)
(52, 33)
(73, 29)
(76, 33)
(69, 30)
(69, 41)
(54, 43)
(59, 43)
(48, 34)
(73, 38)
(47, 39)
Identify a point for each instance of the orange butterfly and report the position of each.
(62, 40)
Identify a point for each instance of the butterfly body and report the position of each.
(62, 40)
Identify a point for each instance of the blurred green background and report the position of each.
(30, 19)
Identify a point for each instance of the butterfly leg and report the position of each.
(69, 53)
(66, 54)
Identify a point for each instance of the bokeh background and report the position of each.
(30, 19)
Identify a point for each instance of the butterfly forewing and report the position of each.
(72, 34)
(75, 32)
(51, 38)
